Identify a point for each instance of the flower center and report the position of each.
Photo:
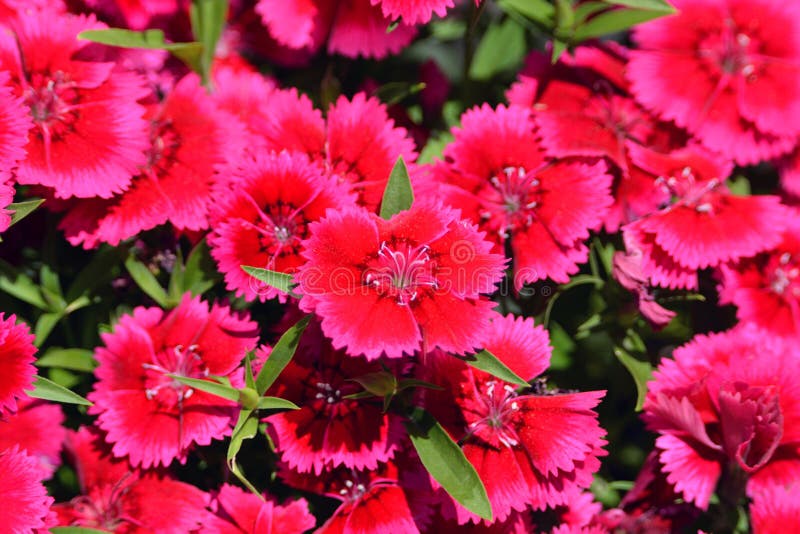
(688, 190)
(512, 196)
(353, 490)
(326, 392)
(179, 361)
(729, 51)
(493, 413)
(402, 271)
(53, 103)
(784, 275)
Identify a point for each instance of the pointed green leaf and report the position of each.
(446, 463)
(276, 403)
(612, 21)
(189, 53)
(379, 383)
(208, 20)
(559, 47)
(246, 428)
(398, 195)
(488, 362)
(653, 5)
(44, 326)
(98, 272)
(20, 286)
(501, 49)
(146, 281)
(407, 383)
(641, 372)
(49, 390)
(23, 209)
(73, 359)
(540, 11)
(77, 530)
(281, 355)
(201, 272)
(249, 379)
(280, 281)
(214, 388)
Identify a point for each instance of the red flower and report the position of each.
(413, 11)
(6, 198)
(776, 510)
(547, 443)
(330, 430)
(150, 417)
(394, 287)
(117, 499)
(705, 224)
(496, 172)
(241, 512)
(261, 214)
(36, 429)
(358, 145)
(24, 498)
(15, 121)
(728, 398)
(766, 288)
(16, 361)
(89, 138)
(189, 137)
(741, 57)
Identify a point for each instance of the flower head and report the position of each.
(240, 512)
(25, 500)
(16, 361)
(37, 429)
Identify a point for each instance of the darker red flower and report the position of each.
(394, 287)
(190, 137)
(149, 417)
(766, 287)
(330, 430)
(88, 137)
(117, 499)
(25, 500)
(547, 443)
(357, 145)
(240, 512)
(36, 429)
(497, 174)
(742, 59)
(705, 224)
(16, 361)
(261, 211)
(726, 399)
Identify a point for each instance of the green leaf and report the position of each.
(395, 92)
(208, 20)
(246, 428)
(434, 148)
(414, 383)
(612, 21)
(398, 195)
(49, 390)
(446, 463)
(281, 355)
(23, 209)
(586, 9)
(276, 403)
(44, 326)
(73, 359)
(201, 272)
(146, 281)
(280, 281)
(97, 272)
(540, 11)
(189, 53)
(379, 383)
(652, 5)
(501, 49)
(77, 530)
(214, 388)
(488, 362)
(641, 372)
(739, 185)
(559, 47)
(20, 286)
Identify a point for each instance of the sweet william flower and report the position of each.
(25, 501)
(393, 287)
(16, 361)
(148, 416)
(37, 429)
(238, 511)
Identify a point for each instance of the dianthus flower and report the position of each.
(117, 499)
(189, 138)
(394, 287)
(497, 174)
(138, 14)
(776, 510)
(766, 287)
(240, 512)
(727, 402)
(704, 224)
(15, 121)
(24, 497)
(36, 429)
(330, 430)
(89, 137)
(742, 59)
(261, 211)
(150, 417)
(547, 443)
(16, 361)
(357, 145)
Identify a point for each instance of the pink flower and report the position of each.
(25, 500)
(741, 55)
(776, 510)
(88, 137)
(330, 430)
(36, 429)
(722, 400)
(627, 270)
(766, 288)
(150, 417)
(261, 213)
(16, 361)
(497, 174)
(357, 145)
(705, 224)
(189, 138)
(394, 287)
(15, 121)
(413, 11)
(117, 499)
(240, 512)
(547, 443)
(6, 198)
